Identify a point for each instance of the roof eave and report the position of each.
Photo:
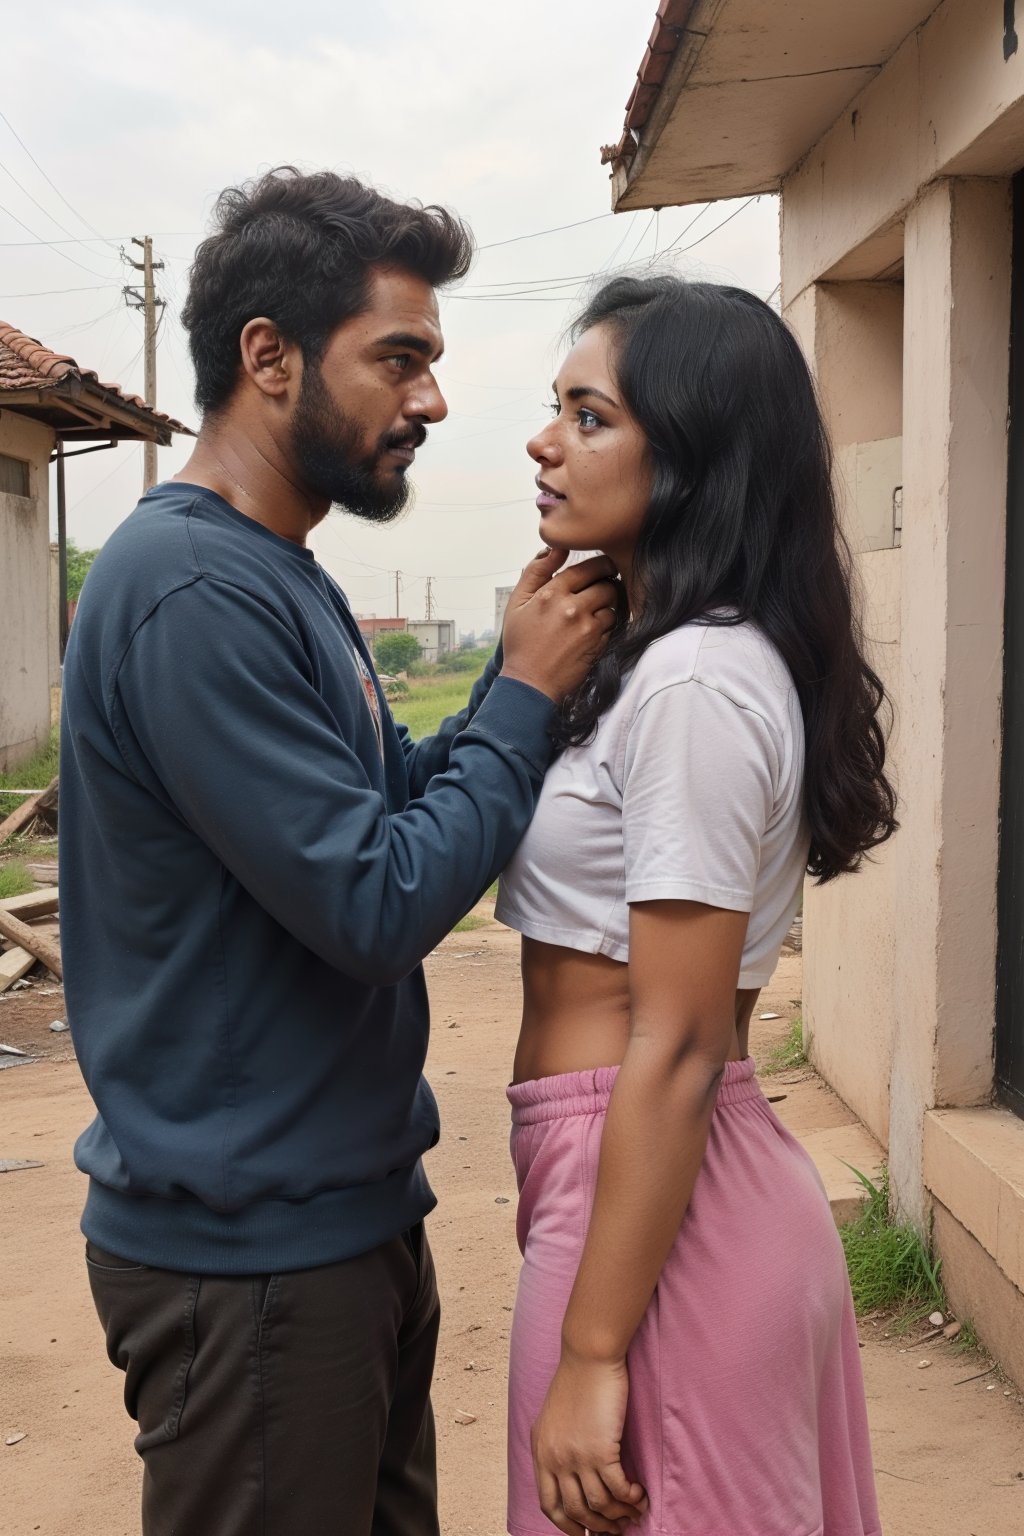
(99, 413)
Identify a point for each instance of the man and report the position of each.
(254, 862)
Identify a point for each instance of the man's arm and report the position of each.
(575, 586)
(215, 710)
(429, 756)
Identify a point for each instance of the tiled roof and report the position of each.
(26, 364)
(664, 40)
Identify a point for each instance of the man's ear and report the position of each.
(267, 359)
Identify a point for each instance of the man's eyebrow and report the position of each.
(581, 391)
(408, 339)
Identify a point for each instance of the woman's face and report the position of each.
(594, 465)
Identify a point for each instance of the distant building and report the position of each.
(436, 636)
(501, 597)
(370, 628)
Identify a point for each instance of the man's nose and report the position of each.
(427, 402)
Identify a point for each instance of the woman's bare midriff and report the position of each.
(576, 1013)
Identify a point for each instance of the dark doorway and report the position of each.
(1010, 966)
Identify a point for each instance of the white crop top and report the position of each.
(691, 789)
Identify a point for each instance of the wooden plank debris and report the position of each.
(41, 945)
(13, 966)
(31, 904)
(27, 811)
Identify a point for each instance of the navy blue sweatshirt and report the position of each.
(253, 862)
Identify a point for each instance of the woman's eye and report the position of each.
(553, 406)
(588, 420)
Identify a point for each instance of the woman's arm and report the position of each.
(684, 961)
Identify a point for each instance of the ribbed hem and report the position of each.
(269, 1238)
(587, 1093)
(520, 716)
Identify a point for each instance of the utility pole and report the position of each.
(398, 601)
(430, 598)
(148, 302)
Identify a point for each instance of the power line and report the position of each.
(80, 217)
(109, 476)
(686, 228)
(537, 233)
(161, 234)
(45, 293)
(63, 254)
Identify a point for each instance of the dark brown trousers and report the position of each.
(295, 1404)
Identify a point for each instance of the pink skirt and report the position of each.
(746, 1413)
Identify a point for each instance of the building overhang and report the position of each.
(79, 412)
(732, 94)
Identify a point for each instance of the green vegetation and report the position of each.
(79, 561)
(789, 1053)
(967, 1341)
(434, 694)
(396, 650)
(15, 880)
(890, 1267)
(470, 923)
(35, 774)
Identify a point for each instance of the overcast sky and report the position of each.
(139, 114)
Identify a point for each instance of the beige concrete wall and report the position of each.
(853, 335)
(912, 183)
(850, 924)
(947, 103)
(900, 967)
(958, 238)
(24, 596)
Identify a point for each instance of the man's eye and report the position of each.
(588, 420)
(554, 406)
(400, 360)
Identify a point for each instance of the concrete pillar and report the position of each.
(957, 315)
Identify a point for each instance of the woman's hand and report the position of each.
(577, 1447)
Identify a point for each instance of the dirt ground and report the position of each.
(949, 1451)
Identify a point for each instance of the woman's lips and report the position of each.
(548, 499)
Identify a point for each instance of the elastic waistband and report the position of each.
(587, 1093)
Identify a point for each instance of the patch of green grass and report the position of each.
(431, 699)
(789, 1053)
(890, 1267)
(36, 773)
(967, 1341)
(15, 880)
(470, 923)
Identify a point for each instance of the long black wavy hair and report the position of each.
(742, 516)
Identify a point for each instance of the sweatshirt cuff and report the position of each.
(520, 716)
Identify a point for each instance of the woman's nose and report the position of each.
(543, 447)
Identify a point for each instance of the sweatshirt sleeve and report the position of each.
(429, 756)
(215, 709)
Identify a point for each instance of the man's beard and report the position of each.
(326, 447)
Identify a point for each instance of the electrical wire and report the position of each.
(80, 217)
(54, 245)
(128, 459)
(536, 234)
(44, 293)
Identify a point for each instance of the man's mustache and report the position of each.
(414, 438)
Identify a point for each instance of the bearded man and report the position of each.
(254, 862)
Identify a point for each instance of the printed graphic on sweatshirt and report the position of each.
(370, 691)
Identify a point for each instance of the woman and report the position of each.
(684, 1351)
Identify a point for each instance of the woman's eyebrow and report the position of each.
(581, 391)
